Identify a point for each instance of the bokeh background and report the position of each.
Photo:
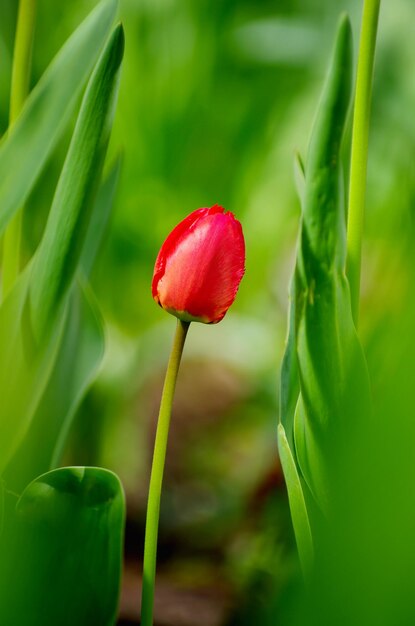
(216, 96)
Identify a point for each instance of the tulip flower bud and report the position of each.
(200, 265)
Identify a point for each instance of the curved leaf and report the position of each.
(62, 550)
(100, 216)
(297, 502)
(77, 361)
(289, 380)
(23, 371)
(59, 252)
(25, 150)
(334, 383)
(32, 317)
(324, 228)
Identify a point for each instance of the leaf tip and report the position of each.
(119, 40)
(344, 30)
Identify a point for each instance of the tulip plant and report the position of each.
(325, 389)
(196, 278)
(61, 528)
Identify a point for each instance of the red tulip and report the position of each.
(200, 266)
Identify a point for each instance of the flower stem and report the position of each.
(359, 152)
(156, 479)
(22, 59)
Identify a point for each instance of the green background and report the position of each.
(215, 98)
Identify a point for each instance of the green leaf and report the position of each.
(335, 391)
(77, 362)
(25, 150)
(23, 371)
(289, 380)
(311, 464)
(297, 502)
(59, 252)
(32, 317)
(100, 216)
(299, 175)
(323, 221)
(62, 550)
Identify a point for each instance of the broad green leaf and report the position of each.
(333, 376)
(320, 263)
(60, 250)
(26, 148)
(100, 216)
(32, 317)
(323, 221)
(77, 361)
(297, 502)
(62, 550)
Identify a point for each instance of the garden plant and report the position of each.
(334, 544)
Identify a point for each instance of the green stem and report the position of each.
(22, 59)
(359, 152)
(156, 479)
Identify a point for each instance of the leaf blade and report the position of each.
(30, 327)
(77, 362)
(297, 503)
(100, 216)
(23, 373)
(48, 109)
(59, 252)
(67, 527)
(335, 390)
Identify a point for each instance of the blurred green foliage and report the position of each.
(215, 98)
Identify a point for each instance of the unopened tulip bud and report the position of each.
(200, 266)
